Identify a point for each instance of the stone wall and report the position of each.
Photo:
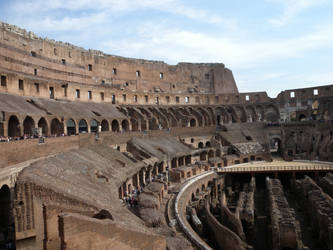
(225, 238)
(319, 208)
(286, 232)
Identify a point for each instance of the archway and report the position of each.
(135, 124)
(208, 144)
(93, 126)
(71, 127)
(143, 125)
(43, 124)
(302, 117)
(203, 156)
(14, 129)
(28, 126)
(125, 125)
(210, 154)
(57, 128)
(275, 146)
(115, 126)
(105, 125)
(200, 145)
(83, 126)
(193, 122)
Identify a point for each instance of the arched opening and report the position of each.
(181, 161)
(2, 131)
(7, 228)
(188, 160)
(135, 125)
(153, 124)
(28, 126)
(302, 118)
(210, 154)
(203, 187)
(275, 146)
(125, 125)
(71, 127)
(115, 126)
(200, 145)
(174, 163)
(105, 126)
(218, 153)
(193, 122)
(208, 144)
(143, 125)
(14, 129)
(83, 126)
(43, 124)
(93, 126)
(203, 156)
(218, 119)
(57, 128)
(197, 192)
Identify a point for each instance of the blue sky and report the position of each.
(270, 45)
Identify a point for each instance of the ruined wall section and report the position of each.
(26, 55)
(286, 232)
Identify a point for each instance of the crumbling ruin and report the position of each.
(105, 152)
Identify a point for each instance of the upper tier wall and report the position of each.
(25, 53)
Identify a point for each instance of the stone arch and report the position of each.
(271, 114)
(208, 144)
(203, 156)
(28, 126)
(212, 115)
(198, 117)
(205, 115)
(241, 114)
(71, 127)
(135, 124)
(57, 128)
(210, 154)
(197, 192)
(143, 125)
(105, 125)
(193, 122)
(14, 129)
(153, 124)
(218, 153)
(125, 125)
(203, 187)
(192, 197)
(115, 125)
(94, 126)
(232, 114)
(43, 124)
(221, 116)
(200, 145)
(251, 114)
(83, 126)
(260, 112)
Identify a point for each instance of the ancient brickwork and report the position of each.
(286, 230)
(319, 207)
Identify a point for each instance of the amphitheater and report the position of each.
(106, 152)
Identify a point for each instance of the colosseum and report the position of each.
(107, 152)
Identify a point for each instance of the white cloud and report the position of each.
(118, 7)
(291, 8)
(175, 45)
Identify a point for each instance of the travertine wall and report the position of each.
(66, 68)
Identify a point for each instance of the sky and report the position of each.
(270, 45)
